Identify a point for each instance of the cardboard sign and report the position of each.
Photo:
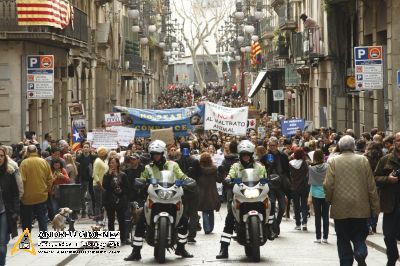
(125, 135)
(308, 126)
(76, 110)
(113, 119)
(165, 134)
(261, 132)
(105, 138)
(251, 123)
(274, 117)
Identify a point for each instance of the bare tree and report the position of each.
(201, 18)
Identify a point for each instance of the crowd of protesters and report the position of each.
(307, 163)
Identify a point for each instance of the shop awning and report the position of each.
(262, 76)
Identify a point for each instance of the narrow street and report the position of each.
(291, 248)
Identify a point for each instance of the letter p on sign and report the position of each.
(33, 62)
(361, 53)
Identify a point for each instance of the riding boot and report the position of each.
(271, 235)
(135, 254)
(181, 251)
(223, 253)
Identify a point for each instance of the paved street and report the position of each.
(291, 248)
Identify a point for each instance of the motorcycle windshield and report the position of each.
(167, 179)
(249, 177)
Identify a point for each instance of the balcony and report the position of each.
(76, 36)
(274, 63)
(266, 28)
(135, 63)
(286, 21)
(313, 45)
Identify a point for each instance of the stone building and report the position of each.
(91, 66)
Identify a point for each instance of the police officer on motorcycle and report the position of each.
(246, 161)
(157, 150)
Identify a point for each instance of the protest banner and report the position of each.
(289, 127)
(113, 119)
(165, 134)
(227, 120)
(179, 119)
(105, 138)
(125, 135)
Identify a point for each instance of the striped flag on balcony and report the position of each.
(255, 53)
(53, 13)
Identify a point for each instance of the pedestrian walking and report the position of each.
(37, 178)
(100, 168)
(207, 186)
(316, 175)
(300, 188)
(9, 204)
(351, 191)
(116, 189)
(387, 175)
(85, 177)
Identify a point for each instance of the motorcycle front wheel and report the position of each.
(255, 238)
(159, 251)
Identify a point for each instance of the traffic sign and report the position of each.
(368, 67)
(40, 76)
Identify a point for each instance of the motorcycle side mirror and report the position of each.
(140, 183)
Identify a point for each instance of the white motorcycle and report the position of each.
(251, 208)
(163, 211)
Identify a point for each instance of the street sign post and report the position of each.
(40, 76)
(368, 67)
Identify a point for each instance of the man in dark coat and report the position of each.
(85, 170)
(229, 159)
(387, 179)
(190, 166)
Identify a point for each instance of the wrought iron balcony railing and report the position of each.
(75, 35)
(313, 45)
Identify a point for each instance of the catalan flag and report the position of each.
(255, 53)
(53, 13)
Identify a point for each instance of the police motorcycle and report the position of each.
(251, 208)
(163, 210)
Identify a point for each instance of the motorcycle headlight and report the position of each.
(251, 193)
(165, 194)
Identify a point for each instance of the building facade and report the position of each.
(99, 63)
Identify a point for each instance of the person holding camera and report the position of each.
(387, 175)
(116, 191)
(9, 204)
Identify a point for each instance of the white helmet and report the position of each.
(246, 146)
(157, 146)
